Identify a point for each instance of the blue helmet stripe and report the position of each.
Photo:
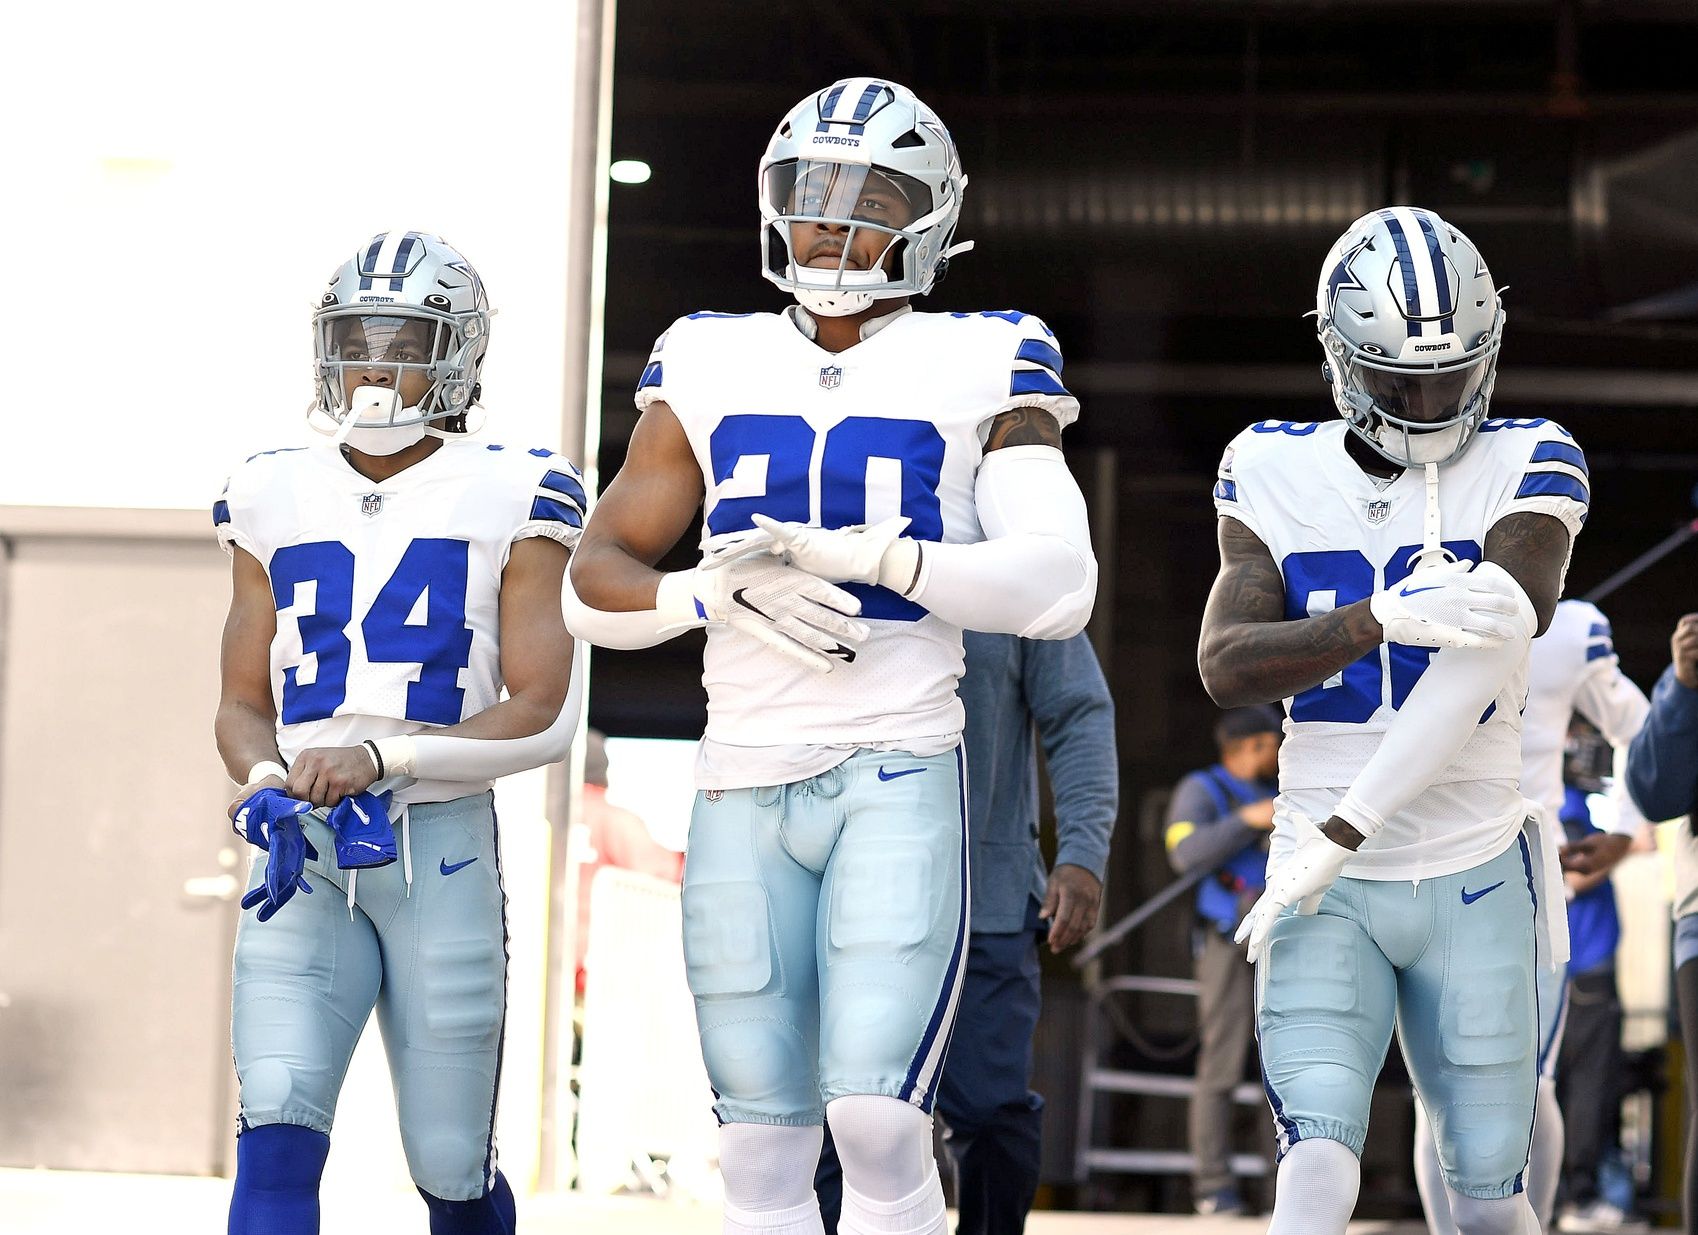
(865, 106)
(1405, 263)
(1439, 280)
(368, 267)
(399, 266)
(829, 107)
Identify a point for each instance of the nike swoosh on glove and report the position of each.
(791, 611)
(256, 816)
(290, 852)
(1301, 880)
(870, 553)
(1445, 606)
(364, 835)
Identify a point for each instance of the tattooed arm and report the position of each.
(1023, 426)
(1533, 548)
(1249, 653)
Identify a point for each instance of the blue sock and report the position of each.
(278, 1168)
(492, 1213)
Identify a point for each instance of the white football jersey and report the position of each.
(388, 593)
(1338, 538)
(1573, 668)
(894, 425)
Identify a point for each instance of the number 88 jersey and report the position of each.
(388, 592)
(894, 425)
(1337, 538)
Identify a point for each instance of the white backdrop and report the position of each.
(182, 178)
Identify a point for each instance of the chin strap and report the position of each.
(1433, 552)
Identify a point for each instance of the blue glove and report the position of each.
(259, 814)
(364, 835)
(290, 852)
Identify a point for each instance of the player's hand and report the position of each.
(1071, 901)
(290, 851)
(858, 554)
(1447, 606)
(324, 775)
(256, 814)
(247, 791)
(1684, 646)
(1596, 853)
(794, 613)
(1301, 880)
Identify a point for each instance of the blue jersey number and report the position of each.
(740, 445)
(434, 570)
(1319, 581)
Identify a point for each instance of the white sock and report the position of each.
(768, 1171)
(1503, 1215)
(1544, 1166)
(1429, 1177)
(919, 1213)
(1316, 1189)
(890, 1180)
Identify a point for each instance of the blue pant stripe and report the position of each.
(951, 975)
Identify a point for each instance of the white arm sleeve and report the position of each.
(1433, 725)
(1615, 704)
(640, 628)
(429, 756)
(1034, 575)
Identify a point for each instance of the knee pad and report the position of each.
(278, 1169)
(493, 1213)
(885, 1146)
(447, 1162)
(767, 1168)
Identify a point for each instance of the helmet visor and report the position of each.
(817, 189)
(1421, 397)
(385, 340)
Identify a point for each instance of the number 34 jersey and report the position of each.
(388, 592)
(1338, 538)
(894, 425)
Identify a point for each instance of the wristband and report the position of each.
(267, 767)
(396, 756)
(376, 755)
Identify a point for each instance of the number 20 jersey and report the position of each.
(1338, 538)
(894, 425)
(388, 592)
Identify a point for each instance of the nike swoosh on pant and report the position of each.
(883, 775)
(449, 870)
(1468, 898)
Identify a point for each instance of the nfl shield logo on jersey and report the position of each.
(1379, 511)
(371, 504)
(831, 376)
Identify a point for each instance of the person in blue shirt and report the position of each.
(1590, 1064)
(1662, 777)
(993, 1122)
(1219, 820)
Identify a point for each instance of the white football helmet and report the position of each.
(404, 303)
(866, 155)
(1411, 325)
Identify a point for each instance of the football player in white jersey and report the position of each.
(873, 480)
(388, 585)
(1572, 668)
(1384, 576)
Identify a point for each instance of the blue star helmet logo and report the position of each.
(1343, 278)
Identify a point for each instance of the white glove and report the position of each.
(873, 553)
(1301, 880)
(1453, 605)
(789, 610)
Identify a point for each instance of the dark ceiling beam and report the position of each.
(654, 96)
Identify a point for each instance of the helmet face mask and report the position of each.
(866, 174)
(410, 312)
(1411, 327)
